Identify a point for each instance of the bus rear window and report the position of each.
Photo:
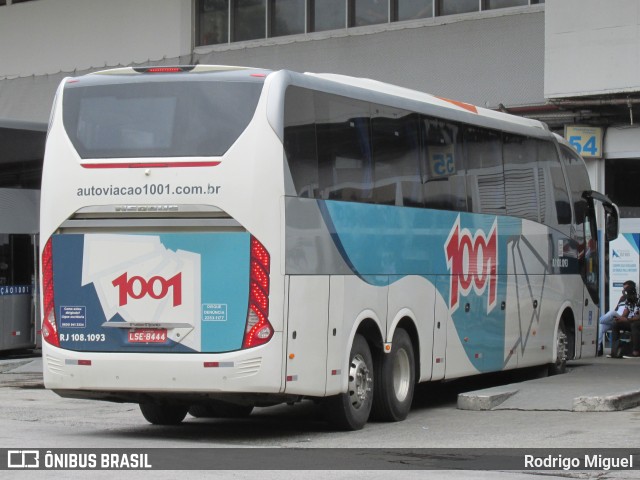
(184, 118)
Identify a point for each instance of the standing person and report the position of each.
(608, 319)
(629, 320)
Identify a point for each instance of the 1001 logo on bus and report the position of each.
(473, 263)
(156, 287)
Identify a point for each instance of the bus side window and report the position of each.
(485, 176)
(444, 169)
(16, 259)
(345, 163)
(586, 234)
(578, 182)
(558, 207)
(521, 177)
(5, 259)
(396, 153)
(300, 141)
(589, 258)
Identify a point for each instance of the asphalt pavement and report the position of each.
(594, 384)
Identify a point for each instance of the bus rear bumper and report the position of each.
(127, 375)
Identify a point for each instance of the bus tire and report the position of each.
(350, 410)
(559, 365)
(395, 380)
(163, 414)
(219, 409)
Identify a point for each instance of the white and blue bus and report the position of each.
(219, 238)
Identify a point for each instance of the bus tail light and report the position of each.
(49, 326)
(161, 69)
(258, 330)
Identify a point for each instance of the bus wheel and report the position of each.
(395, 380)
(163, 414)
(218, 409)
(350, 410)
(560, 364)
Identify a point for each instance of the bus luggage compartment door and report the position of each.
(307, 325)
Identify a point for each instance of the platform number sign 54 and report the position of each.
(588, 147)
(586, 140)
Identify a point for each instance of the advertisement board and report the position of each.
(623, 263)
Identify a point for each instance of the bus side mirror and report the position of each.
(612, 226)
(611, 213)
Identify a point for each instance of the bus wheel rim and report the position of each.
(359, 381)
(561, 355)
(401, 375)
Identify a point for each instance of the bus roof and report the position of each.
(390, 89)
(371, 89)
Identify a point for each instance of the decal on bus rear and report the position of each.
(160, 293)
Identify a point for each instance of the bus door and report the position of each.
(589, 270)
(588, 256)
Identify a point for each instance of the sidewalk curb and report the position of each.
(611, 403)
(480, 402)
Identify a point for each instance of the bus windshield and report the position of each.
(157, 116)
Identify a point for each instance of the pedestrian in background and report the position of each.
(628, 321)
(607, 320)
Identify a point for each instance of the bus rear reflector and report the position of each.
(258, 330)
(49, 326)
(86, 363)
